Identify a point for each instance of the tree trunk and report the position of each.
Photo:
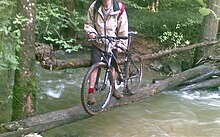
(25, 87)
(209, 31)
(153, 5)
(69, 5)
(46, 121)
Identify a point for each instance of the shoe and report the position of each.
(91, 99)
(117, 94)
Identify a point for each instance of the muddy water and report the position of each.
(168, 114)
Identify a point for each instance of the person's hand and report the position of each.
(91, 35)
(120, 48)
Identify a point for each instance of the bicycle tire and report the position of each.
(102, 96)
(135, 74)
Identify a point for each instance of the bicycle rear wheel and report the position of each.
(103, 91)
(135, 74)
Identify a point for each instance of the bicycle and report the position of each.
(128, 77)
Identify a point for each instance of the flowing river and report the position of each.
(167, 114)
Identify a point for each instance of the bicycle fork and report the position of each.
(107, 71)
(105, 80)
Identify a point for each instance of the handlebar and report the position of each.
(115, 38)
(110, 38)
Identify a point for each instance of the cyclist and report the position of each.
(105, 18)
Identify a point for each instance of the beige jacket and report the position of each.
(114, 25)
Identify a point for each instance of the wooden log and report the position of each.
(178, 79)
(45, 55)
(176, 50)
(202, 77)
(206, 84)
(46, 121)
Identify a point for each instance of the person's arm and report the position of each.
(122, 29)
(89, 23)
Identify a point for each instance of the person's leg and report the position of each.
(95, 57)
(116, 93)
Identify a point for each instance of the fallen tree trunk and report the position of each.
(44, 122)
(50, 120)
(202, 77)
(206, 84)
(45, 55)
(176, 50)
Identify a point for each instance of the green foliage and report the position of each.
(178, 4)
(175, 38)
(10, 36)
(11, 42)
(204, 11)
(152, 24)
(202, 3)
(132, 4)
(52, 24)
(166, 4)
(176, 22)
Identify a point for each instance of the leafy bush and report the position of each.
(176, 38)
(52, 24)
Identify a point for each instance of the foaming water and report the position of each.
(208, 98)
(201, 95)
(59, 89)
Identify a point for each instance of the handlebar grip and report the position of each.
(94, 39)
(132, 33)
(112, 37)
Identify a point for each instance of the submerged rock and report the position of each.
(157, 66)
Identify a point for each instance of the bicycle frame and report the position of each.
(108, 57)
(128, 74)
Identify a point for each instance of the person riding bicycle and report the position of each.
(105, 18)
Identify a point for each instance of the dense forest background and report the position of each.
(61, 23)
(171, 23)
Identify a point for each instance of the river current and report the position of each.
(167, 114)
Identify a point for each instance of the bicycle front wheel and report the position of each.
(103, 88)
(135, 74)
